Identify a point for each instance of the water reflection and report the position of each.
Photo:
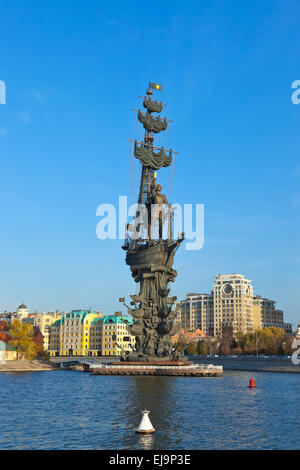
(146, 441)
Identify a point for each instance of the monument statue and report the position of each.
(151, 257)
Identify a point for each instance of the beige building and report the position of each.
(22, 312)
(109, 336)
(269, 315)
(70, 335)
(196, 312)
(43, 321)
(233, 304)
(257, 315)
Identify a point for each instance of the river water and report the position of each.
(74, 410)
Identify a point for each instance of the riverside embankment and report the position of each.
(23, 365)
(259, 364)
(240, 363)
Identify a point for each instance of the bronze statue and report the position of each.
(151, 260)
(159, 208)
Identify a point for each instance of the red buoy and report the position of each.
(251, 383)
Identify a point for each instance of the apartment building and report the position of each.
(269, 315)
(109, 336)
(231, 304)
(44, 321)
(84, 333)
(196, 312)
(70, 335)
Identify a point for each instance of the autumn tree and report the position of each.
(201, 348)
(269, 341)
(22, 339)
(226, 343)
(191, 349)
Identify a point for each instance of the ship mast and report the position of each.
(147, 172)
(150, 160)
(151, 259)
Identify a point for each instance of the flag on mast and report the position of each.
(155, 86)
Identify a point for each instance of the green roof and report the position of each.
(117, 319)
(97, 320)
(22, 306)
(80, 314)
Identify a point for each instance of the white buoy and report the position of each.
(145, 426)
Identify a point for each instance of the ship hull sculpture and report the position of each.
(151, 259)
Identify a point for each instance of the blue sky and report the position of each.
(73, 72)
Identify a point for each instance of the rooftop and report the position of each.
(116, 319)
(22, 307)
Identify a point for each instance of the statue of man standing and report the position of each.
(158, 200)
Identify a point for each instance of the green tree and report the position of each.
(22, 334)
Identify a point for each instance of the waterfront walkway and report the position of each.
(23, 365)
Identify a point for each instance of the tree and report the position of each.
(201, 347)
(22, 334)
(191, 349)
(42, 354)
(226, 343)
(181, 341)
(267, 341)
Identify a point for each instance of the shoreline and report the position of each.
(251, 364)
(24, 365)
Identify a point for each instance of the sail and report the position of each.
(152, 124)
(154, 160)
(152, 106)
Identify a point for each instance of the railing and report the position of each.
(193, 366)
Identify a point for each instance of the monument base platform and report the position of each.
(154, 362)
(179, 369)
(132, 358)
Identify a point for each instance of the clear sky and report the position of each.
(73, 72)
